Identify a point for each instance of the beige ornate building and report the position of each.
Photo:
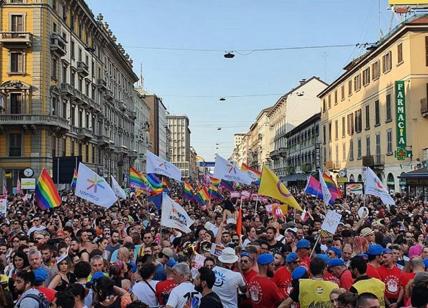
(67, 90)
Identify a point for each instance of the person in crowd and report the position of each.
(228, 282)
(338, 268)
(163, 288)
(184, 294)
(390, 274)
(29, 297)
(204, 283)
(363, 283)
(262, 289)
(334, 297)
(368, 300)
(64, 277)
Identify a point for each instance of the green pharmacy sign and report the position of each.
(400, 111)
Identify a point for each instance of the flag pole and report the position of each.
(315, 245)
(257, 201)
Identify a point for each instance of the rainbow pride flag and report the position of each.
(331, 185)
(253, 173)
(154, 183)
(137, 180)
(74, 180)
(47, 196)
(214, 181)
(202, 197)
(188, 192)
(227, 185)
(214, 193)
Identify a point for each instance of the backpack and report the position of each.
(41, 299)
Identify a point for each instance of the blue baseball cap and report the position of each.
(97, 275)
(323, 257)
(265, 259)
(375, 250)
(386, 251)
(337, 251)
(171, 262)
(298, 272)
(335, 262)
(303, 243)
(291, 257)
(426, 263)
(245, 254)
(40, 274)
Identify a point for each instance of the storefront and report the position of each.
(416, 182)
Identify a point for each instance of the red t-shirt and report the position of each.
(391, 278)
(346, 280)
(330, 277)
(373, 272)
(305, 261)
(163, 288)
(405, 278)
(249, 275)
(282, 279)
(264, 293)
(48, 293)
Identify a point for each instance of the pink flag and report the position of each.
(235, 194)
(245, 195)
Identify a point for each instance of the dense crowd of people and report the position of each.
(80, 255)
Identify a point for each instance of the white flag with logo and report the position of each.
(120, 193)
(155, 164)
(94, 188)
(373, 186)
(228, 171)
(326, 195)
(174, 216)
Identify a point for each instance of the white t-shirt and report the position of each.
(143, 292)
(226, 286)
(183, 294)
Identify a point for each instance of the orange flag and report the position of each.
(239, 223)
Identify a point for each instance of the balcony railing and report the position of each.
(82, 68)
(108, 95)
(67, 89)
(101, 83)
(18, 39)
(329, 165)
(368, 161)
(84, 133)
(33, 119)
(58, 44)
(379, 160)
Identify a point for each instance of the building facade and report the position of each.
(141, 131)
(180, 143)
(292, 109)
(158, 124)
(239, 142)
(302, 151)
(259, 141)
(375, 112)
(66, 86)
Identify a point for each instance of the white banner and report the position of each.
(228, 171)
(326, 195)
(331, 221)
(28, 183)
(94, 188)
(373, 186)
(174, 216)
(119, 192)
(155, 164)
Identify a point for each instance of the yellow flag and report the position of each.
(271, 186)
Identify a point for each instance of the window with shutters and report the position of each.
(367, 117)
(358, 121)
(335, 97)
(366, 76)
(17, 23)
(17, 62)
(343, 127)
(329, 131)
(336, 129)
(15, 103)
(15, 145)
(376, 70)
(324, 106)
(400, 53)
(389, 142)
(368, 146)
(388, 108)
(359, 151)
(342, 92)
(351, 150)
(350, 87)
(357, 83)
(377, 113)
(329, 101)
(324, 135)
(387, 62)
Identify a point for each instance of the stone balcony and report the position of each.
(58, 44)
(84, 134)
(82, 68)
(67, 89)
(32, 120)
(16, 39)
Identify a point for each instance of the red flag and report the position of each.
(239, 223)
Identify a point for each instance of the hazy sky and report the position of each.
(191, 82)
